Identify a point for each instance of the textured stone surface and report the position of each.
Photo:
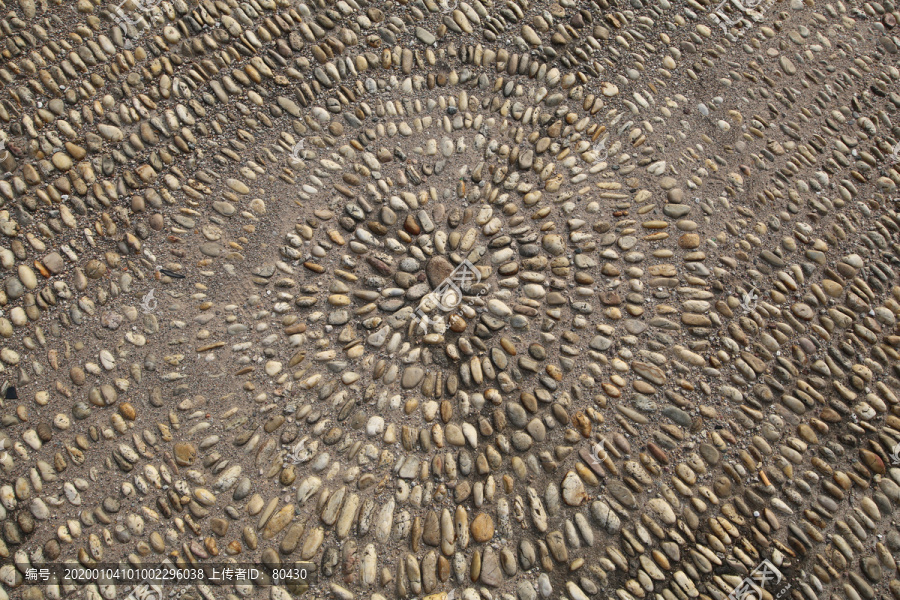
(452, 299)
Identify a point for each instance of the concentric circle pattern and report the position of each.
(451, 299)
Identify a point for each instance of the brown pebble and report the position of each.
(77, 375)
(872, 461)
(156, 222)
(127, 411)
(658, 453)
(689, 241)
(482, 528)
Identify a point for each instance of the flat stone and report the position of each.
(425, 36)
(224, 208)
(211, 249)
(219, 526)
(410, 468)
(278, 521)
(491, 573)
(54, 263)
(437, 270)
(412, 376)
(573, 492)
(482, 528)
(185, 454)
(621, 493)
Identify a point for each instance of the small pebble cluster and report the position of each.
(454, 300)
